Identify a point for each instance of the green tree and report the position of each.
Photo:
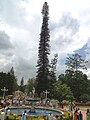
(67, 77)
(12, 71)
(22, 86)
(53, 77)
(75, 62)
(30, 84)
(11, 81)
(86, 95)
(3, 81)
(75, 78)
(61, 91)
(61, 78)
(43, 52)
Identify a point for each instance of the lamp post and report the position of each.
(4, 90)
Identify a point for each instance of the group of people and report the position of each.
(57, 117)
(78, 114)
(51, 117)
(5, 113)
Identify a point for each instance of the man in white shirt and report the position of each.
(2, 115)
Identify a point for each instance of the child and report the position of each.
(24, 116)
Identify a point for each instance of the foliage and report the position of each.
(75, 78)
(13, 117)
(85, 97)
(43, 52)
(61, 77)
(30, 84)
(52, 75)
(88, 116)
(9, 81)
(76, 84)
(22, 86)
(12, 81)
(75, 62)
(61, 91)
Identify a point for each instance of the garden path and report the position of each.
(84, 114)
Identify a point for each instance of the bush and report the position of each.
(13, 117)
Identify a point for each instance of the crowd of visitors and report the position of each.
(76, 112)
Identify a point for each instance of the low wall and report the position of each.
(82, 104)
(79, 104)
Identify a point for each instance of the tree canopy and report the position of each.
(9, 81)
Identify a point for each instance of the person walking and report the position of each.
(50, 116)
(2, 115)
(61, 117)
(24, 116)
(54, 118)
(80, 117)
(8, 114)
(76, 115)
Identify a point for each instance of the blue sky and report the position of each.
(20, 26)
(82, 51)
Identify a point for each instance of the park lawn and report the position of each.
(87, 117)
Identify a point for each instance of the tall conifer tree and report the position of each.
(43, 52)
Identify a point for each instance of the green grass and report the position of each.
(88, 117)
(84, 106)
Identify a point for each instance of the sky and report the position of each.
(20, 27)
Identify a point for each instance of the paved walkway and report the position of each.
(84, 114)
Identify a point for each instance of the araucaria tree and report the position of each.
(43, 52)
(75, 78)
(75, 62)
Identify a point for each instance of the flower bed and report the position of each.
(17, 117)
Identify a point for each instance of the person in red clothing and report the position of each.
(76, 115)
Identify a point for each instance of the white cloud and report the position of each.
(5, 41)
(12, 12)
